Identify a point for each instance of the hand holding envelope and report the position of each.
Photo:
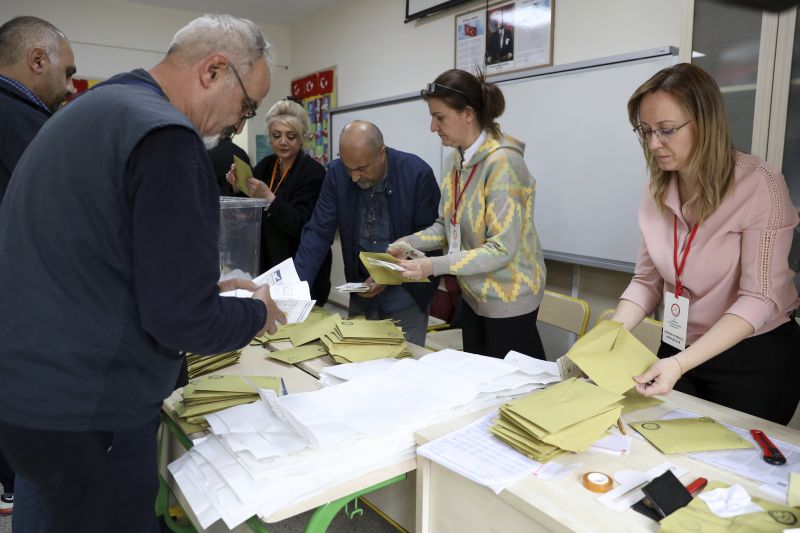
(611, 356)
(385, 269)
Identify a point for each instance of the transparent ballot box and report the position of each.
(239, 236)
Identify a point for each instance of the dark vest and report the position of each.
(69, 320)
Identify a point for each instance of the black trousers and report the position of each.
(759, 375)
(89, 481)
(496, 336)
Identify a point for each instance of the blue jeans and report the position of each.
(413, 321)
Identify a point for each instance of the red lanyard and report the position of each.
(456, 196)
(679, 269)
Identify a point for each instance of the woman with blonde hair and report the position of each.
(290, 180)
(716, 227)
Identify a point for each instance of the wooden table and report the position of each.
(254, 361)
(449, 502)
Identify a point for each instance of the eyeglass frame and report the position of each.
(249, 103)
(663, 134)
(430, 89)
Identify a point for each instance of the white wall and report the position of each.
(112, 36)
(376, 55)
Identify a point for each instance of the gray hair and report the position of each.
(239, 39)
(20, 34)
(292, 114)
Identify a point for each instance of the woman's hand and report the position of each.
(231, 176)
(259, 189)
(659, 378)
(417, 268)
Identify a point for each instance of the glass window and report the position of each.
(726, 42)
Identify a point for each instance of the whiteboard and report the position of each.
(588, 165)
(405, 124)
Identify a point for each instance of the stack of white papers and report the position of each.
(264, 456)
(353, 287)
(290, 294)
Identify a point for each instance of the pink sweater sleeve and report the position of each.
(647, 285)
(766, 240)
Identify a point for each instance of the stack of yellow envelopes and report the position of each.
(569, 416)
(611, 356)
(284, 330)
(203, 364)
(214, 393)
(356, 340)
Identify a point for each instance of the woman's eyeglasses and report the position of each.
(430, 89)
(664, 135)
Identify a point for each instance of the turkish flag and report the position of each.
(470, 30)
(325, 81)
(297, 89)
(310, 86)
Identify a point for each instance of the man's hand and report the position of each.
(274, 315)
(374, 288)
(237, 283)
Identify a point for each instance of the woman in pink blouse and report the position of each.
(716, 228)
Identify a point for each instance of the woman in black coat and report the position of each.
(290, 180)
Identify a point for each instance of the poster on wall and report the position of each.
(505, 36)
(316, 93)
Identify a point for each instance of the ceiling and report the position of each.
(278, 12)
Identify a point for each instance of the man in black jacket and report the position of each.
(109, 264)
(36, 68)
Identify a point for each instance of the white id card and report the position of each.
(676, 319)
(455, 239)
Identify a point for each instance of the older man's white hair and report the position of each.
(239, 39)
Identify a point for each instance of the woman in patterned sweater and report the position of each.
(486, 220)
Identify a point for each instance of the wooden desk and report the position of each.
(449, 502)
(254, 362)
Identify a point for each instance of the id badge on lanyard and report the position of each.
(676, 306)
(454, 236)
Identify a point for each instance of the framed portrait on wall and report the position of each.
(505, 36)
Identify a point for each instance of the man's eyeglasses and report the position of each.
(430, 89)
(249, 104)
(664, 134)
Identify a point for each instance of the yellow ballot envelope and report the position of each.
(243, 173)
(611, 356)
(686, 435)
(379, 266)
(697, 516)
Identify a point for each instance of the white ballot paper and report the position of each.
(291, 295)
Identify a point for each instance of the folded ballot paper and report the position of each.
(384, 269)
(611, 356)
(280, 450)
(567, 417)
(290, 294)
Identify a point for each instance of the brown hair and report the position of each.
(459, 89)
(712, 157)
